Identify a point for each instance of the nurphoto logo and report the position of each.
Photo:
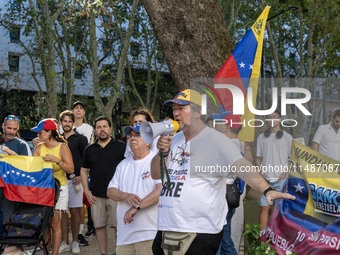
(288, 96)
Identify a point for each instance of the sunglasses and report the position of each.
(12, 117)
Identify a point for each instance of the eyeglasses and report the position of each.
(12, 117)
(137, 136)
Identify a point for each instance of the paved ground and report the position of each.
(93, 249)
(251, 217)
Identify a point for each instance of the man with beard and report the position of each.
(327, 138)
(102, 157)
(77, 144)
(10, 128)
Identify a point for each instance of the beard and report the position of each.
(103, 137)
(67, 128)
(9, 136)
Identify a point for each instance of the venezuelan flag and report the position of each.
(311, 223)
(242, 69)
(27, 179)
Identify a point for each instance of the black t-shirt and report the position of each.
(77, 144)
(102, 162)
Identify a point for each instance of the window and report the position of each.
(137, 27)
(134, 50)
(14, 35)
(78, 71)
(15, 6)
(107, 47)
(13, 63)
(107, 19)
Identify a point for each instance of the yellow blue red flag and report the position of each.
(311, 223)
(242, 69)
(27, 179)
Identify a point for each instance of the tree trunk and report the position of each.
(192, 35)
(44, 32)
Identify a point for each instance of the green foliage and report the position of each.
(295, 23)
(26, 105)
(256, 247)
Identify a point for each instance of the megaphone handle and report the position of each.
(163, 169)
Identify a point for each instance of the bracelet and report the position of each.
(267, 190)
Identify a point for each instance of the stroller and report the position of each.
(28, 224)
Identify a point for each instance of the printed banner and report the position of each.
(311, 223)
(27, 179)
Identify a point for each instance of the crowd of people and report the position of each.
(121, 181)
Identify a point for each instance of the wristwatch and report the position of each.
(138, 207)
(267, 190)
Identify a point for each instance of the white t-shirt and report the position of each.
(134, 176)
(275, 153)
(86, 130)
(329, 141)
(195, 201)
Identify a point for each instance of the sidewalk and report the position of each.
(251, 213)
(92, 248)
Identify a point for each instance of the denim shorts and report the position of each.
(275, 185)
(62, 203)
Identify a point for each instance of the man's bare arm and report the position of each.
(255, 180)
(155, 167)
(316, 146)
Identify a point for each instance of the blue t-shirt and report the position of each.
(18, 146)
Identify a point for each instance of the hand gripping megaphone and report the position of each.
(150, 131)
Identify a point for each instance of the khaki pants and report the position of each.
(140, 248)
(104, 212)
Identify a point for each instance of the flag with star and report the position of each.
(311, 223)
(242, 69)
(27, 179)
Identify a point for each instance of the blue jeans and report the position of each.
(227, 245)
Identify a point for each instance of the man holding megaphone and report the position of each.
(192, 205)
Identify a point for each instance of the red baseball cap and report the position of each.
(45, 124)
